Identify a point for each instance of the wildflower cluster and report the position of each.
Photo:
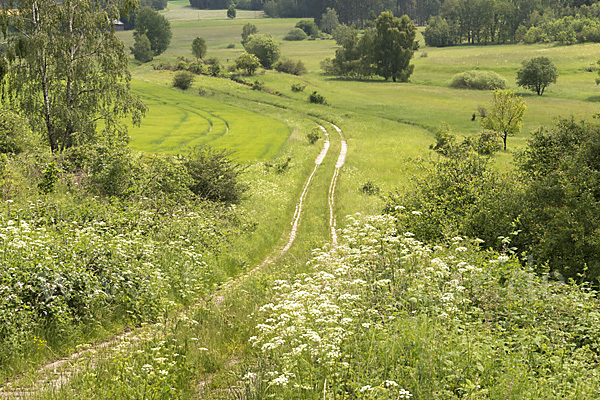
(386, 316)
(64, 268)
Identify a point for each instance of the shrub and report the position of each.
(141, 49)
(291, 67)
(15, 133)
(264, 47)
(214, 66)
(214, 176)
(247, 62)
(488, 142)
(258, 85)
(183, 80)
(296, 88)
(295, 34)
(231, 46)
(247, 30)
(316, 98)
(231, 12)
(313, 136)
(309, 27)
(370, 188)
(479, 80)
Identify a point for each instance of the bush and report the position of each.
(264, 47)
(313, 136)
(141, 49)
(316, 98)
(370, 188)
(247, 62)
(183, 80)
(479, 80)
(488, 142)
(291, 67)
(214, 66)
(309, 27)
(296, 88)
(214, 176)
(258, 85)
(231, 12)
(15, 134)
(295, 34)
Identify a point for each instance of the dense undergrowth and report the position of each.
(72, 269)
(386, 316)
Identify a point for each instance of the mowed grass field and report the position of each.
(389, 126)
(177, 121)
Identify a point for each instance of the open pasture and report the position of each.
(177, 121)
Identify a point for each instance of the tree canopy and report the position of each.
(68, 70)
(537, 74)
(199, 47)
(394, 45)
(506, 114)
(156, 27)
(264, 47)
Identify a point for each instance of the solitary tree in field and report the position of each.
(156, 27)
(537, 74)
(68, 70)
(199, 48)
(506, 114)
(394, 46)
(231, 13)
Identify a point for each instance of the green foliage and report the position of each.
(439, 33)
(214, 176)
(316, 98)
(479, 80)
(394, 45)
(370, 188)
(460, 195)
(384, 316)
(445, 141)
(291, 67)
(537, 74)
(199, 48)
(488, 142)
(258, 85)
(562, 173)
(355, 58)
(157, 5)
(295, 34)
(156, 27)
(15, 134)
(535, 35)
(506, 114)
(309, 27)
(50, 179)
(72, 84)
(264, 47)
(329, 21)
(214, 66)
(247, 30)
(231, 12)
(342, 33)
(247, 62)
(313, 136)
(142, 50)
(297, 87)
(183, 80)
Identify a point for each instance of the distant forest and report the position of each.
(512, 12)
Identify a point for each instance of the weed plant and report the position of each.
(385, 316)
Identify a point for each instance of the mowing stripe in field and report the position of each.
(178, 120)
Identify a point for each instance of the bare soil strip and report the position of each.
(339, 164)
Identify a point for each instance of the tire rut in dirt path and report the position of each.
(338, 165)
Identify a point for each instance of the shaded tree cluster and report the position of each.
(385, 51)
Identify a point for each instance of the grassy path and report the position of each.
(53, 380)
